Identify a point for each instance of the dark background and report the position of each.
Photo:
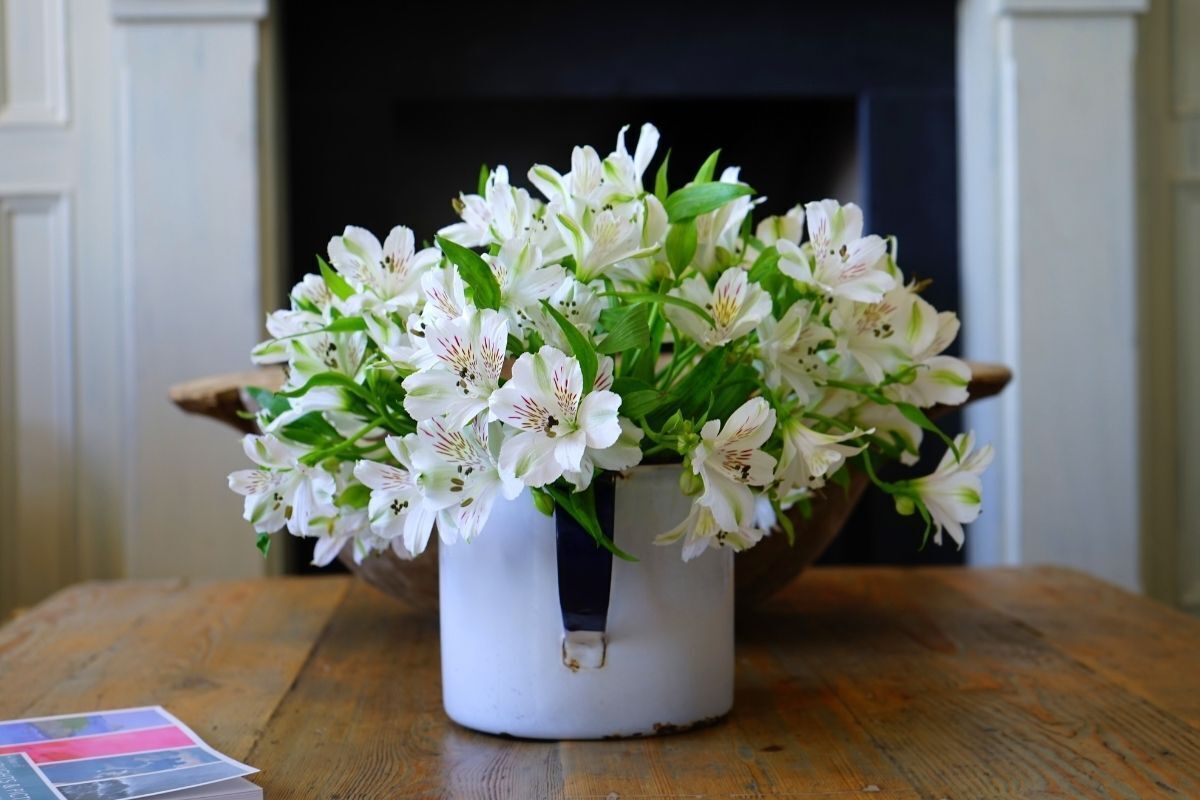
(390, 110)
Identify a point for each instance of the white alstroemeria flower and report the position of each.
(600, 238)
(283, 325)
(937, 378)
(623, 454)
(400, 508)
(736, 305)
(838, 259)
(403, 347)
(940, 379)
(788, 228)
(729, 462)
(808, 457)
(445, 295)
(524, 281)
(356, 254)
(578, 303)
(717, 242)
(581, 183)
(312, 302)
(470, 354)
(890, 425)
(700, 531)
(501, 214)
(334, 531)
(320, 398)
(652, 265)
(283, 492)
(765, 518)
(953, 493)
(868, 333)
(312, 294)
(308, 350)
(407, 347)
(315, 353)
(468, 484)
(391, 273)
(557, 421)
(622, 173)
(789, 351)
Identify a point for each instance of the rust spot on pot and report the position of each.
(772, 748)
(668, 728)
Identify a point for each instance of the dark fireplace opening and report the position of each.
(422, 167)
(386, 120)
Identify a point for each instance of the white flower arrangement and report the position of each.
(605, 326)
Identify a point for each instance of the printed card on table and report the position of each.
(108, 755)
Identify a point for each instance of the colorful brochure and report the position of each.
(107, 755)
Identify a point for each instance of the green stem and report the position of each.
(318, 456)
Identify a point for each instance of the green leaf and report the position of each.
(481, 185)
(346, 325)
(268, 401)
(356, 495)
(646, 362)
(708, 168)
(263, 543)
(681, 245)
(628, 328)
(918, 418)
(641, 403)
(625, 385)
(671, 300)
(925, 515)
(582, 508)
(331, 379)
(581, 346)
(638, 398)
(515, 346)
(700, 198)
(785, 522)
(735, 388)
(765, 266)
(312, 429)
(475, 273)
(336, 283)
(660, 179)
(693, 394)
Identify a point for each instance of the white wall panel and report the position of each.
(37, 449)
(189, 240)
(1049, 256)
(33, 65)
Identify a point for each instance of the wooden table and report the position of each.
(877, 683)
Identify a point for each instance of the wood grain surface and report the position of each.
(873, 683)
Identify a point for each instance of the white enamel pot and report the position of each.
(524, 656)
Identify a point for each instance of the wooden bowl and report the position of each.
(760, 571)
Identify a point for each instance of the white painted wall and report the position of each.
(129, 259)
(1049, 208)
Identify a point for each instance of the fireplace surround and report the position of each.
(141, 133)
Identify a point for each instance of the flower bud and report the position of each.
(689, 482)
(543, 502)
